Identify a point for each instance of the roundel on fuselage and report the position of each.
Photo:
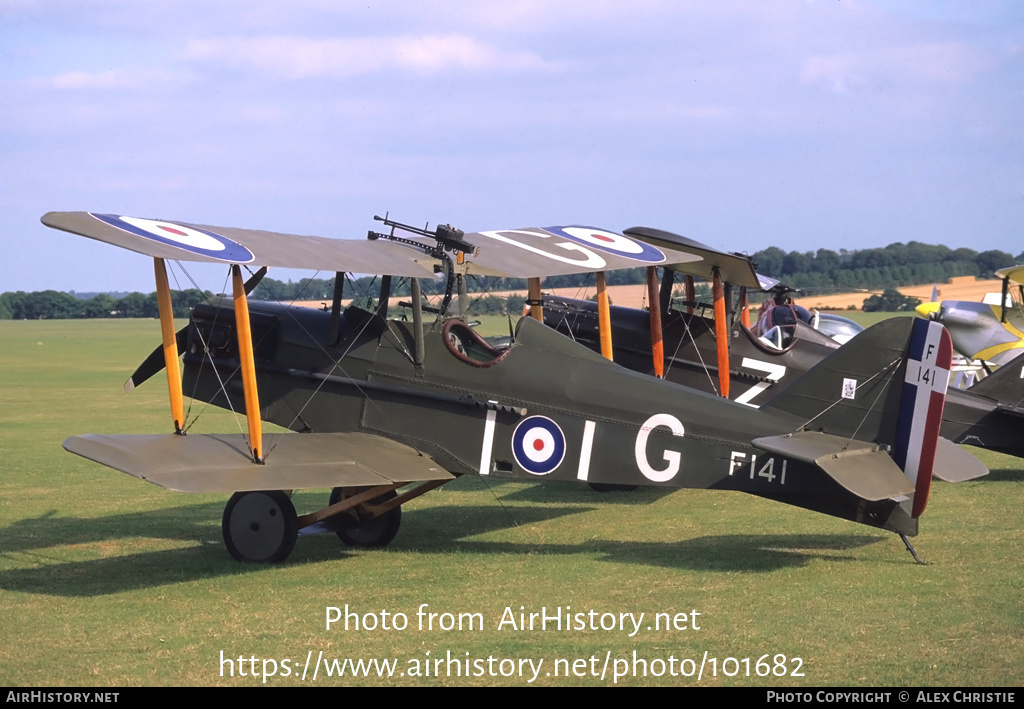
(538, 445)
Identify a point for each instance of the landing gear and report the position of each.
(612, 487)
(260, 526)
(359, 530)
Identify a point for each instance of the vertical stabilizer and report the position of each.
(929, 359)
(886, 387)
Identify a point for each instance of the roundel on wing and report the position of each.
(609, 242)
(538, 445)
(189, 238)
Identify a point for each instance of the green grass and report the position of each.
(106, 580)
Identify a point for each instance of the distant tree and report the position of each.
(890, 301)
(991, 261)
(137, 305)
(100, 305)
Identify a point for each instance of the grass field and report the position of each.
(106, 580)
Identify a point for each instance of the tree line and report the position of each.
(814, 272)
(56, 305)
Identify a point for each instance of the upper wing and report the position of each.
(1014, 273)
(735, 269)
(222, 463)
(557, 250)
(195, 242)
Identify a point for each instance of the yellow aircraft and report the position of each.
(992, 330)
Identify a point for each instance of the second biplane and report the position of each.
(991, 331)
(378, 405)
(724, 355)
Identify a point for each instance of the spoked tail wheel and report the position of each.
(359, 531)
(260, 526)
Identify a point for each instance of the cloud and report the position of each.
(112, 80)
(294, 58)
(935, 63)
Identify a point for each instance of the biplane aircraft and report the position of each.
(991, 331)
(376, 405)
(750, 367)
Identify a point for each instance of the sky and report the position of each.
(800, 124)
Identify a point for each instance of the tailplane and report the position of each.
(1005, 385)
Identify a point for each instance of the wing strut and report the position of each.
(721, 333)
(335, 326)
(163, 296)
(744, 307)
(536, 308)
(252, 399)
(604, 316)
(668, 281)
(657, 347)
(1002, 302)
(691, 295)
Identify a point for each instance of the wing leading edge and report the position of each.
(210, 244)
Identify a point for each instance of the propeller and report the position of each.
(155, 361)
(930, 310)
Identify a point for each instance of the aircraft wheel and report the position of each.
(260, 526)
(612, 487)
(376, 532)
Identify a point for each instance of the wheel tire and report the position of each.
(260, 526)
(376, 532)
(612, 487)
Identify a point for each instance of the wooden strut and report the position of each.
(245, 355)
(691, 295)
(657, 346)
(365, 496)
(744, 307)
(721, 333)
(163, 296)
(604, 317)
(536, 311)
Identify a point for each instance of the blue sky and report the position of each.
(804, 125)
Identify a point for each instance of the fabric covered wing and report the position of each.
(558, 250)
(734, 269)
(194, 242)
(222, 463)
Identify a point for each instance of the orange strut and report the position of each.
(252, 398)
(163, 297)
(744, 308)
(657, 347)
(721, 334)
(604, 316)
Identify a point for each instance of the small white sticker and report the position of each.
(849, 388)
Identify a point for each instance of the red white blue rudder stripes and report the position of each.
(929, 358)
